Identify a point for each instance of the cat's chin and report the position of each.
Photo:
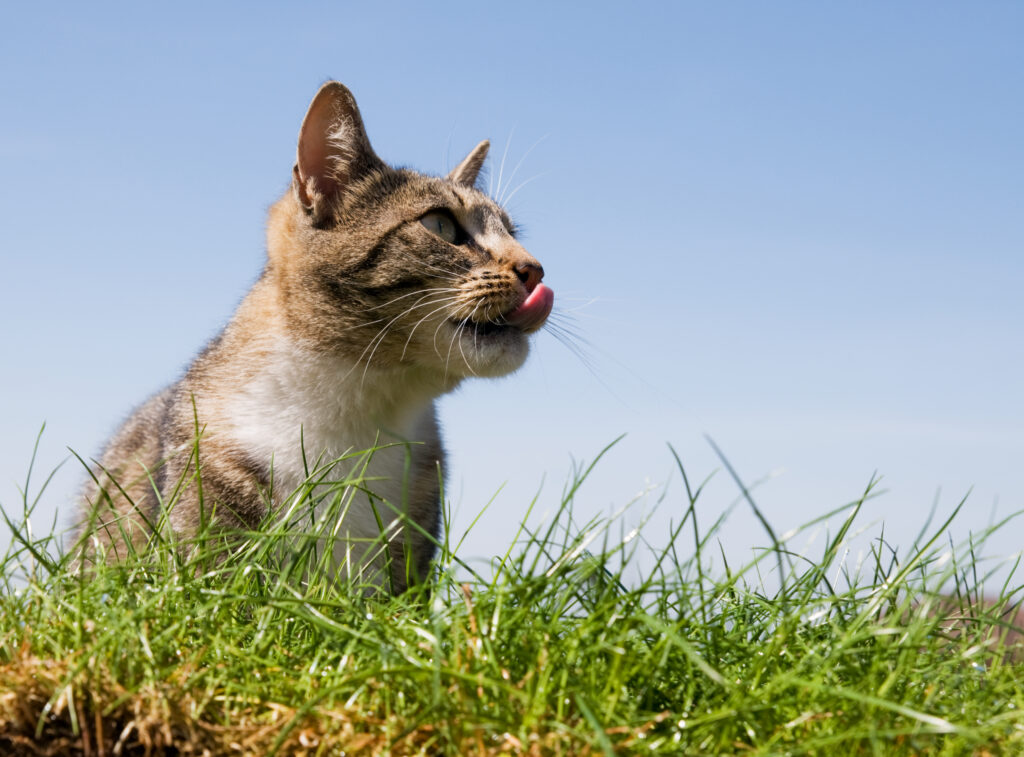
(489, 351)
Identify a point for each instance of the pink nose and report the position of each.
(530, 274)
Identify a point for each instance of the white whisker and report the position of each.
(421, 320)
(455, 337)
(570, 341)
(516, 169)
(501, 168)
(412, 294)
(459, 266)
(378, 338)
(512, 194)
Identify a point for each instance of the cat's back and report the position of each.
(128, 469)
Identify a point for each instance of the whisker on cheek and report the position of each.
(417, 324)
(379, 337)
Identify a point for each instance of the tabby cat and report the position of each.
(383, 289)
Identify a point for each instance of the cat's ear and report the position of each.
(467, 171)
(333, 149)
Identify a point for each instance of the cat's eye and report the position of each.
(444, 226)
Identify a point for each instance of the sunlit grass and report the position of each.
(582, 639)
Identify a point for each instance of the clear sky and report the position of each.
(794, 227)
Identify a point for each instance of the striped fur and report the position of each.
(361, 318)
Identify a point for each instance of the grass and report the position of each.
(562, 647)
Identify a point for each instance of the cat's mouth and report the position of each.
(534, 311)
(486, 329)
(527, 317)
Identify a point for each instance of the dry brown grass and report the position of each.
(48, 709)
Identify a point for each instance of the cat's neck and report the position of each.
(282, 390)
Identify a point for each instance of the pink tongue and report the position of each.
(531, 315)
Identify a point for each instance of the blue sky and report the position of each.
(794, 227)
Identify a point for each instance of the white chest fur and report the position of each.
(303, 410)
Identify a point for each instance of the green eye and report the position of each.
(442, 225)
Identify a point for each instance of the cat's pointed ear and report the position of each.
(467, 171)
(333, 149)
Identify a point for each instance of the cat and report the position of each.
(383, 289)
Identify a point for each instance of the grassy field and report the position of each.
(562, 647)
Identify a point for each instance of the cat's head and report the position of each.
(390, 267)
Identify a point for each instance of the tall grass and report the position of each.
(582, 638)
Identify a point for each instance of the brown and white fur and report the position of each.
(370, 306)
